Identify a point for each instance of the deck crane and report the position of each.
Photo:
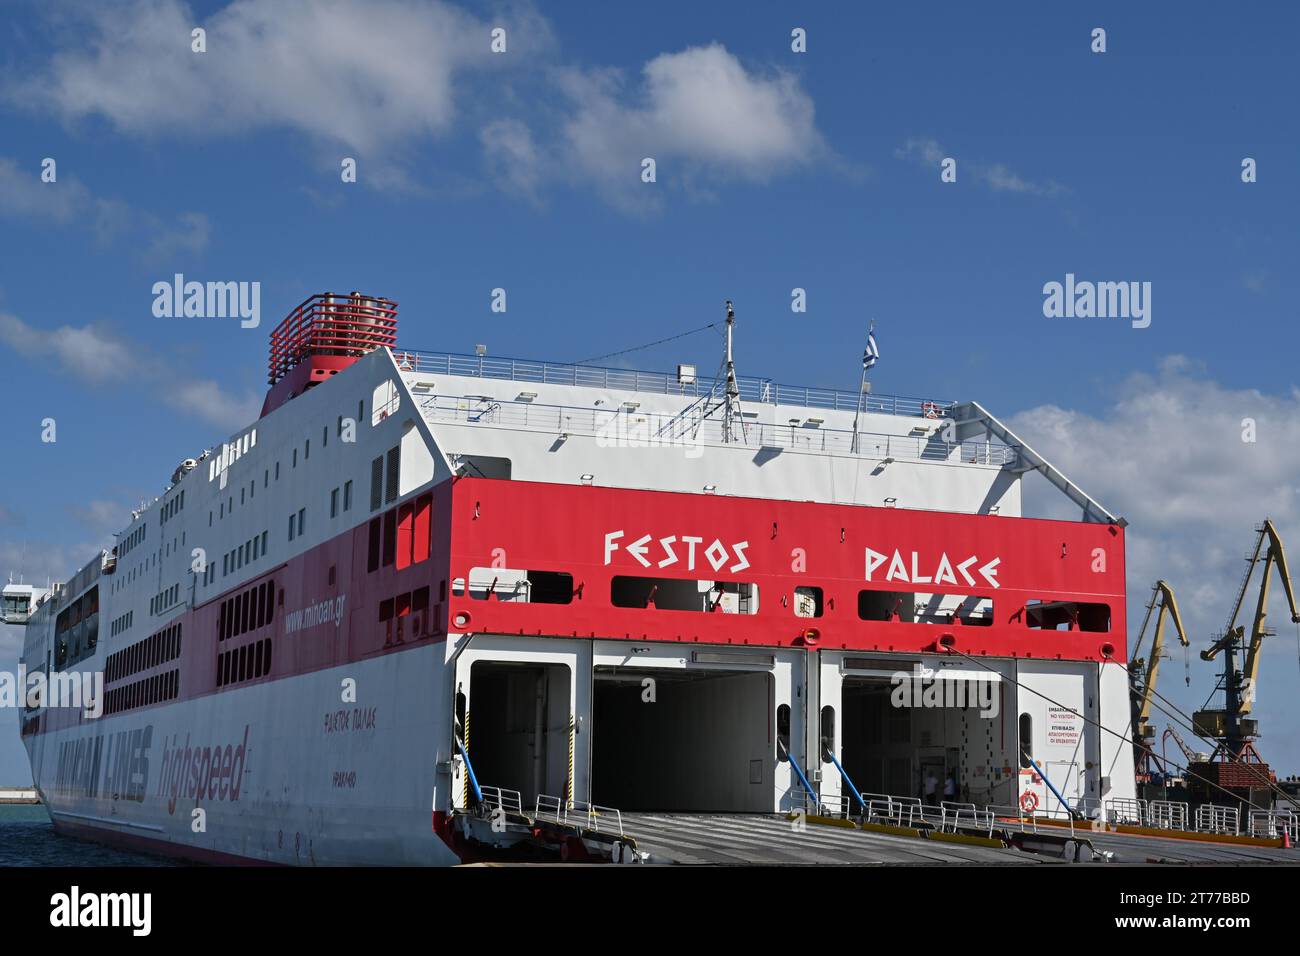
(1144, 671)
(1235, 764)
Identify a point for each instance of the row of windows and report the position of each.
(401, 536)
(165, 599)
(246, 611)
(244, 663)
(131, 540)
(153, 650)
(407, 615)
(248, 552)
(123, 623)
(170, 509)
(729, 597)
(231, 453)
(146, 691)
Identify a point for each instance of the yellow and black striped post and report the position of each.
(569, 786)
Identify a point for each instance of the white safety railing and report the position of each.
(1167, 814)
(615, 428)
(510, 801)
(1126, 810)
(1272, 824)
(954, 814)
(1216, 819)
(589, 816)
(761, 391)
(899, 811)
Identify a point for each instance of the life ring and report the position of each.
(930, 410)
(1029, 801)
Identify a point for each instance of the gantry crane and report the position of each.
(1144, 671)
(1235, 763)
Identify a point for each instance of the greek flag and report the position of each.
(872, 353)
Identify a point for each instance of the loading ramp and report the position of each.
(774, 840)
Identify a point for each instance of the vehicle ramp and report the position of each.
(782, 840)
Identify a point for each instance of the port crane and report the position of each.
(1235, 764)
(1144, 671)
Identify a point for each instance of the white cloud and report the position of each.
(68, 202)
(697, 113)
(188, 237)
(94, 355)
(1167, 454)
(512, 157)
(87, 351)
(365, 75)
(205, 399)
(996, 176)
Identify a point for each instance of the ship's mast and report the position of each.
(732, 423)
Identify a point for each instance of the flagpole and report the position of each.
(862, 388)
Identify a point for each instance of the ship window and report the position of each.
(334, 503)
(783, 732)
(306, 449)
(1067, 616)
(390, 538)
(295, 458)
(883, 605)
(325, 436)
(386, 609)
(264, 542)
(394, 474)
(377, 483)
(405, 535)
(372, 557)
(266, 663)
(807, 602)
(291, 526)
(422, 531)
(302, 517)
(347, 495)
(673, 594)
(1026, 740)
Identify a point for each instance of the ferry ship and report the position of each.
(428, 604)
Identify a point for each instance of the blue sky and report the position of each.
(775, 170)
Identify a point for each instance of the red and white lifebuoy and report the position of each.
(1029, 801)
(931, 410)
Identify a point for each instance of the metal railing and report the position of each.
(1216, 819)
(1167, 815)
(1128, 810)
(1274, 824)
(1087, 814)
(509, 801)
(589, 816)
(762, 391)
(622, 429)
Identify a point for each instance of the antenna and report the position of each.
(731, 416)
